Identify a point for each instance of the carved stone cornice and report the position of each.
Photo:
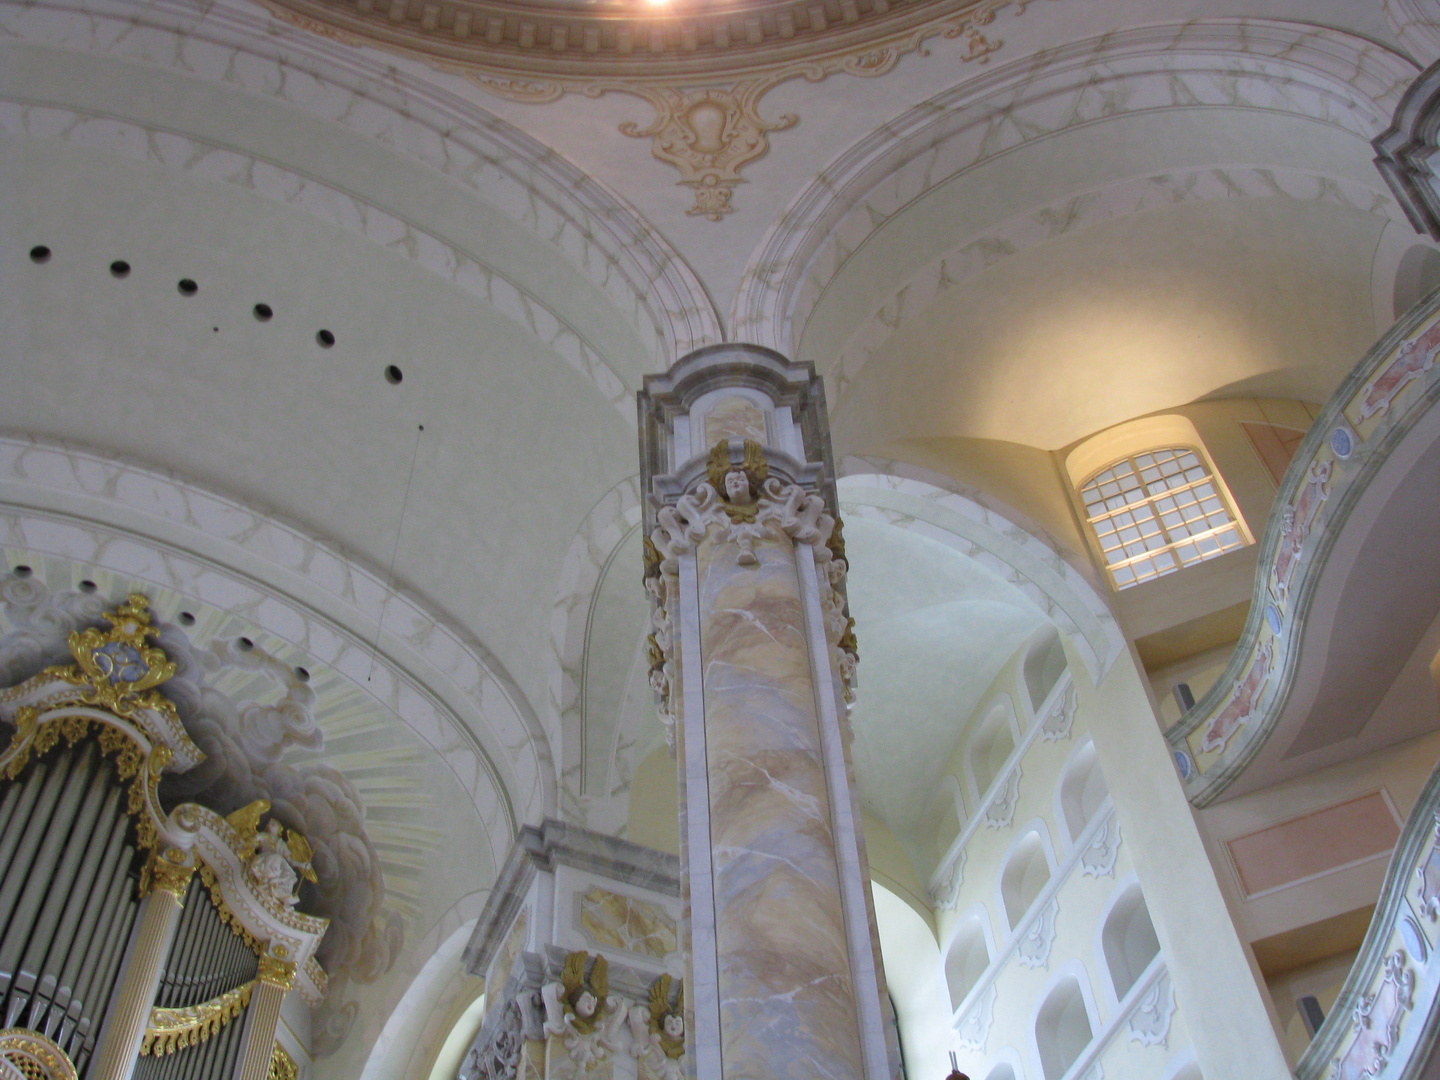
(702, 67)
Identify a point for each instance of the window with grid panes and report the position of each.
(1155, 512)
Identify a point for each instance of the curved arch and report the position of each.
(1063, 1022)
(1045, 665)
(601, 237)
(962, 518)
(1026, 868)
(594, 546)
(1372, 432)
(1127, 943)
(1004, 1064)
(1080, 210)
(990, 746)
(1295, 69)
(1082, 790)
(450, 690)
(968, 955)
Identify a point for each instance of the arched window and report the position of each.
(1156, 511)
(1062, 1028)
(1128, 939)
(966, 960)
(1082, 790)
(990, 747)
(1025, 875)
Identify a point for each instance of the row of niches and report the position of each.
(261, 312)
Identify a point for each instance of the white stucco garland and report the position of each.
(1288, 68)
(239, 45)
(80, 504)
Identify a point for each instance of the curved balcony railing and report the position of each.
(1377, 405)
(1386, 1019)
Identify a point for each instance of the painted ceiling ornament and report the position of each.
(276, 857)
(709, 133)
(702, 68)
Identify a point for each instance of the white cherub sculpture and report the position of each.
(658, 1033)
(581, 1010)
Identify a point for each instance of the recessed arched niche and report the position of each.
(1025, 875)
(946, 810)
(1044, 664)
(990, 747)
(1128, 939)
(966, 959)
(1062, 1028)
(1003, 1071)
(1082, 790)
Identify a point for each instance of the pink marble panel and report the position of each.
(1314, 843)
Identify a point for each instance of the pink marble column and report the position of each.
(751, 640)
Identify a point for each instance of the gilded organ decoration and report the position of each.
(174, 1029)
(276, 857)
(29, 1054)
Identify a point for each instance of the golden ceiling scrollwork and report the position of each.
(702, 66)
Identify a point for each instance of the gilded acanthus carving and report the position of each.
(169, 1030)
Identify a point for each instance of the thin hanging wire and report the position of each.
(394, 551)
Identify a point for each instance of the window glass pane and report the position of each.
(1156, 512)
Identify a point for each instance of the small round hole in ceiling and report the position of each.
(40, 254)
(186, 619)
(263, 312)
(88, 586)
(245, 644)
(325, 339)
(302, 674)
(187, 287)
(393, 375)
(22, 571)
(120, 268)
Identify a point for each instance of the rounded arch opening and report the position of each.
(1128, 939)
(1044, 664)
(990, 747)
(1082, 790)
(966, 959)
(1025, 875)
(1062, 1028)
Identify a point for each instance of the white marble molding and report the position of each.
(1289, 68)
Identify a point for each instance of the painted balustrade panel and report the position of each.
(1381, 402)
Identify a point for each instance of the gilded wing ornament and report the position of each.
(755, 465)
(600, 978)
(572, 975)
(659, 1000)
(246, 822)
(302, 856)
(718, 464)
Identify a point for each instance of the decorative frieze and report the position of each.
(974, 1027)
(1099, 855)
(1033, 949)
(1149, 1022)
(1000, 813)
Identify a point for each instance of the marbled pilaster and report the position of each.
(787, 1006)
